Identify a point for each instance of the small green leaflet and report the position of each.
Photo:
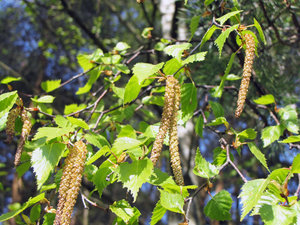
(208, 35)
(280, 174)
(177, 50)
(97, 140)
(122, 68)
(8, 79)
(84, 62)
(289, 118)
(35, 213)
(44, 159)
(172, 202)
(153, 100)
(3, 121)
(258, 154)
(233, 77)
(271, 134)
(29, 203)
(127, 131)
(218, 110)
(277, 215)
(195, 58)
(296, 164)
(44, 99)
(111, 60)
(248, 134)
(49, 218)
(251, 193)
(78, 122)
(265, 100)
(22, 168)
(52, 132)
(124, 143)
(121, 46)
(7, 100)
(132, 89)
(172, 66)
(118, 91)
(218, 91)
(182, 190)
(73, 108)
(291, 139)
(159, 178)
(98, 154)
(199, 126)
(145, 70)
(219, 121)
(203, 168)
(261, 34)
(208, 2)
(219, 206)
(62, 121)
(96, 55)
(50, 85)
(220, 156)
(227, 16)
(158, 213)
(123, 210)
(92, 79)
(188, 99)
(220, 41)
(134, 175)
(194, 24)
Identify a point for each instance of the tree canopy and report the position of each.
(149, 112)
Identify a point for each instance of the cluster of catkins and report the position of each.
(169, 124)
(70, 183)
(10, 128)
(250, 50)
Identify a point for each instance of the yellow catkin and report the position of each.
(10, 124)
(24, 135)
(165, 120)
(250, 50)
(70, 183)
(173, 143)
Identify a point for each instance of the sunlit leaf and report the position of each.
(50, 85)
(220, 41)
(227, 16)
(92, 79)
(217, 109)
(291, 139)
(145, 70)
(271, 134)
(52, 132)
(7, 100)
(259, 29)
(194, 24)
(277, 214)
(199, 126)
(203, 168)
(265, 100)
(44, 99)
(188, 99)
(195, 58)
(258, 154)
(121, 46)
(248, 134)
(171, 201)
(8, 79)
(158, 213)
(177, 50)
(123, 210)
(208, 35)
(132, 89)
(172, 66)
(296, 164)
(78, 122)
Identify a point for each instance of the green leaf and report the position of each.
(218, 91)
(98, 154)
(7, 100)
(92, 79)
(132, 89)
(219, 206)
(208, 35)
(271, 134)
(48, 187)
(182, 190)
(159, 46)
(158, 213)
(219, 121)
(23, 168)
(145, 70)
(35, 212)
(233, 77)
(134, 175)
(177, 50)
(203, 168)
(289, 118)
(220, 41)
(78, 122)
(159, 178)
(296, 164)
(73, 108)
(199, 126)
(44, 99)
(44, 159)
(121, 46)
(84, 62)
(52, 132)
(153, 100)
(220, 156)
(123, 68)
(8, 79)
(172, 201)
(217, 109)
(195, 58)
(188, 99)
(208, 2)
(258, 154)
(29, 203)
(248, 134)
(265, 100)
(111, 60)
(62, 121)
(277, 214)
(100, 178)
(97, 140)
(261, 34)
(227, 16)
(291, 139)
(279, 174)
(123, 210)
(3, 121)
(251, 193)
(172, 66)
(50, 85)
(194, 24)
(49, 218)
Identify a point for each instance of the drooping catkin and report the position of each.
(24, 135)
(173, 143)
(70, 183)
(165, 120)
(10, 124)
(250, 50)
